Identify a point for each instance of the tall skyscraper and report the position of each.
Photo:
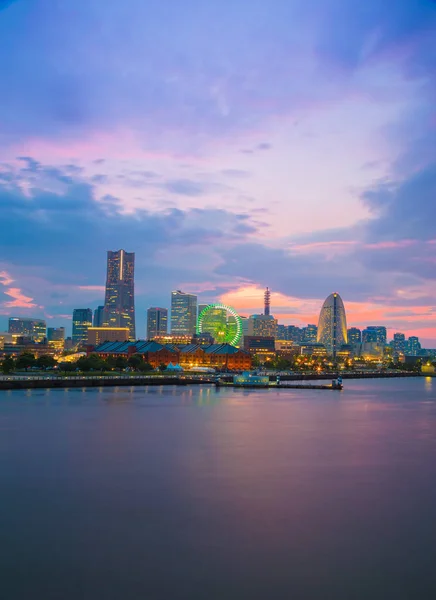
(412, 346)
(309, 334)
(332, 324)
(56, 337)
(82, 320)
(35, 329)
(354, 336)
(399, 344)
(379, 332)
(98, 316)
(157, 322)
(262, 326)
(119, 304)
(183, 313)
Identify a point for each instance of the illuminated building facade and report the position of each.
(262, 326)
(354, 336)
(399, 344)
(98, 335)
(35, 329)
(119, 304)
(332, 325)
(309, 334)
(183, 313)
(82, 321)
(157, 322)
(56, 337)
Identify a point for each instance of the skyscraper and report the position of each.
(56, 337)
(262, 326)
(399, 344)
(82, 320)
(157, 322)
(354, 336)
(35, 329)
(380, 334)
(119, 305)
(183, 313)
(99, 316)
(332, 324)
(310, 334)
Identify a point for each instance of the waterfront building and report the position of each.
(262, 326)
(82, 321)
(56, 337)
(309, 334)
(398, 344)
(354, 336)
(119, 304)
(183, 313)
(188, 356)
(282, 332)
(295, 334)
(413, 346)
(332, 325)
(313, 349)
(35, 329)
(378, 334)
(98, 316)
(157, 322)
(98, 335)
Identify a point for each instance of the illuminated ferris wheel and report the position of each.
(222, 322)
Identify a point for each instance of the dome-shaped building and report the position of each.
(332, 324)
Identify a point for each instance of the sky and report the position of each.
(232, 145)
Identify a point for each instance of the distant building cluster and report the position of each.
(197, 333)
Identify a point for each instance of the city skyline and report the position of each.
(270, 147)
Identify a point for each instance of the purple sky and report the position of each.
(232, 144)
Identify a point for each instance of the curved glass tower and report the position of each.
(332, 324)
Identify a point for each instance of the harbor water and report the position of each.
(219, 493)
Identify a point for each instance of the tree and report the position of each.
(25, 361)
(121, 362)
(145, 367)
(67, 367)
(45, 362)
(135, 361)
(162, 367)
(8, 365)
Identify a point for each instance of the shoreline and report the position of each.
(23, 382)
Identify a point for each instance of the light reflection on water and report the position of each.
(204, 492)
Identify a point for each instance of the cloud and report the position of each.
(20, 300)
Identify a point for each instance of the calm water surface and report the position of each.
(174, 493)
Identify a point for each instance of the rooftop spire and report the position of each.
(267, 302)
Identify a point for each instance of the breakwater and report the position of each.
(25, 383)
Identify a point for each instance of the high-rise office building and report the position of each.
(56, 337)
(98, 316)
(82, 321)
(412, 346)
(332, 325)
(354, 336)
(309, 334)
(183, 313)
(157, 322)
(377, 333)
(262, 326)
(295, 334)
(399, 344)
(119, 304)
(282, 332)
(35, 329)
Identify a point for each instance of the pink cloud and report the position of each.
(19, 299)
(5, 278)
(92, 288)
